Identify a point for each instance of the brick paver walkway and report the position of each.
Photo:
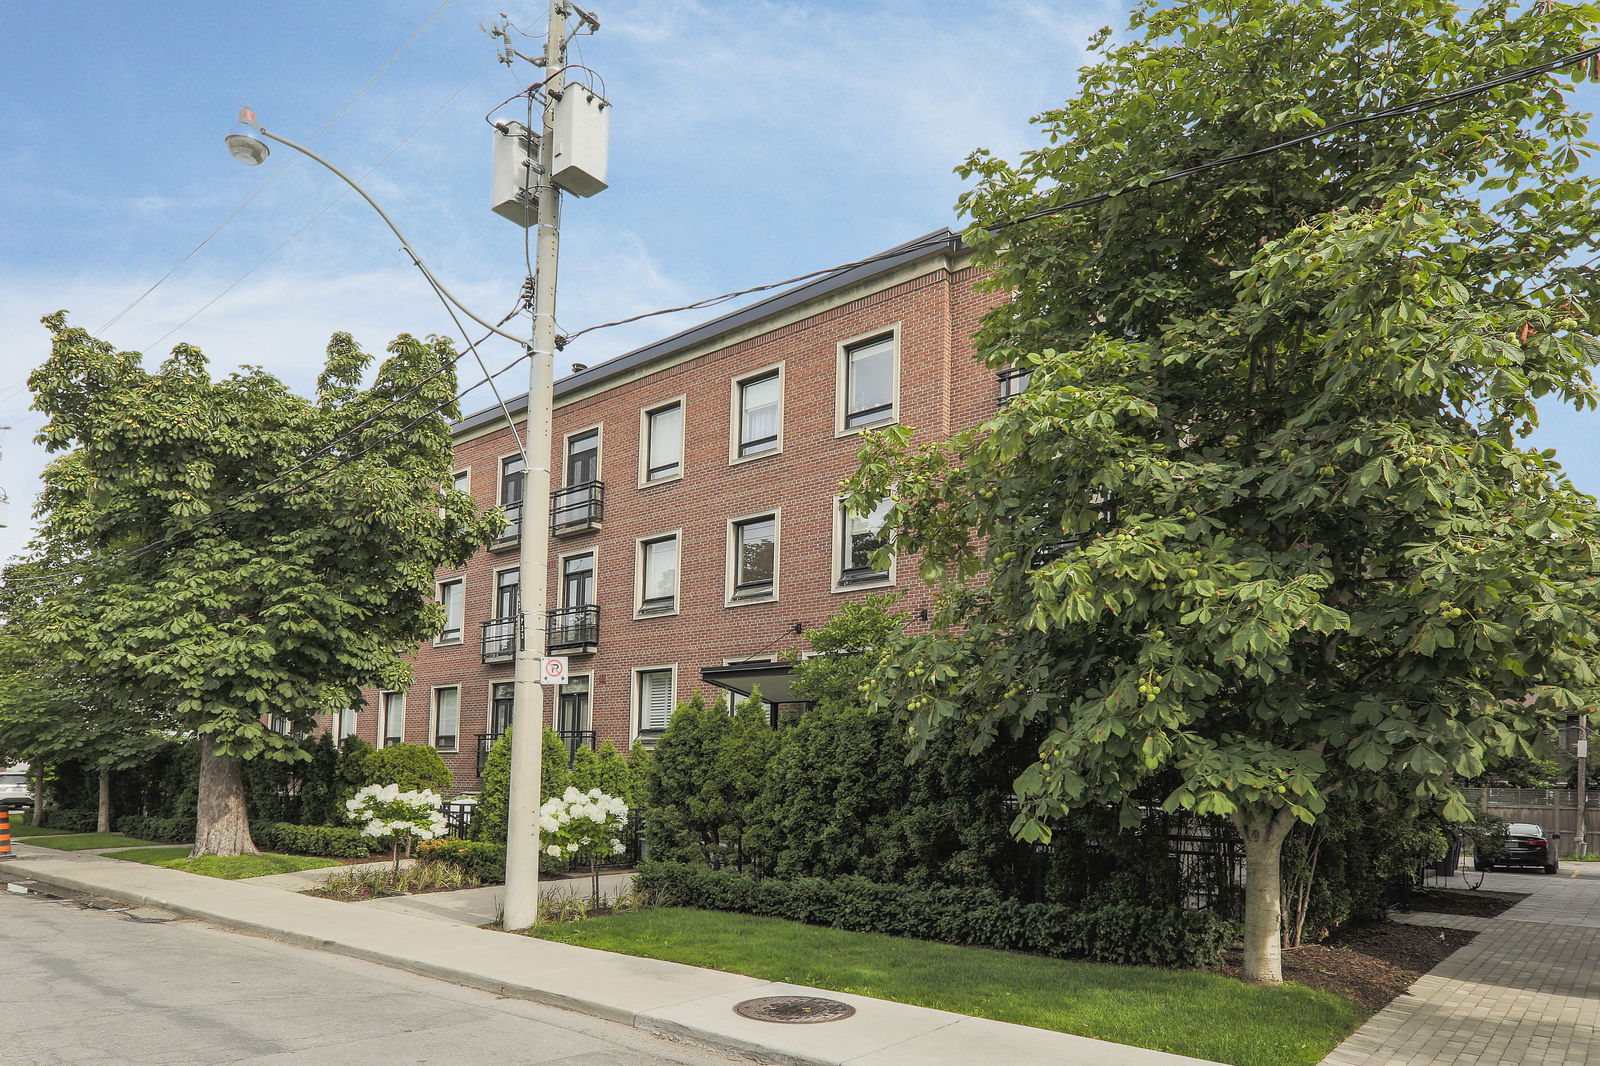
(1524, 992)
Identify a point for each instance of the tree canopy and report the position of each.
(1261, 524)
(224, 549)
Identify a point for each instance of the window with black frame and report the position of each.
(658, 575)
(663, 442)
(755, 558)
(869, 380)
(513, 473)
(446, 718)
(859, 537)
(759, 400)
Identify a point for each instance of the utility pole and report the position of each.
(527, 735)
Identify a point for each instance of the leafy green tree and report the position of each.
(639, 760)
(685, 807)
(584, 769)
(615, 776)
(236, 550)
(1260, 520)
(413, 767)
(739, 768)
(491, 820)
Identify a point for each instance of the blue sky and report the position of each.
(751, 141)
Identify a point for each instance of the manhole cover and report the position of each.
(794, 1009)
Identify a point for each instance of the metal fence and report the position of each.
(458, 817)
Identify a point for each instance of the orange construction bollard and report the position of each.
(5, 835)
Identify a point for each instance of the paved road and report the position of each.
(90, 986)
(1525, 992)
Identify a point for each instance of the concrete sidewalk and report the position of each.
(683, 1002)
(1524, 992)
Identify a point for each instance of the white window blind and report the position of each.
(655, 700)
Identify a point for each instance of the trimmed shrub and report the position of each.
(489, 820)
(329, 841)
(1122, 932)
(151, 827)
(481, 858)
(584, 771)
(413, 767)
(71, 819)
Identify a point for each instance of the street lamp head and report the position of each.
(247, 150)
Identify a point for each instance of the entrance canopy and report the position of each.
(741, 679)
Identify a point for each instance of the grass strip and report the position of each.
(1185, 1012)
(20, 831)
(232, 868)
(88, 841)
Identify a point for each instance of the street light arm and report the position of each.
(412, 252)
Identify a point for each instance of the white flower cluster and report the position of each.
(585, 821)
(386, 811)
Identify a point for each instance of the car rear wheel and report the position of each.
(1552, 869)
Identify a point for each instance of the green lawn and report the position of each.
(20, 831)
(88, 841)
(234, 868)
(1182, 1011)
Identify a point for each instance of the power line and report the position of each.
(1398, 110)
(275, 175)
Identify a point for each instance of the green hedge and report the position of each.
(1122, 932)
(150, 827)
(72, 819)
(481, 857)
(334, 842)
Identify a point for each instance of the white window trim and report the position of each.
(634, 709)
(730, 567)
(735, 413)
(644, 440)
(494, 587)
(841, 370)
(638, 576)
(598, 429)
(433, 717)
(338, 723)
(561, 575)
(885, 581)
(438, 595)
(383, 716)
(588, 676)
(506, 539)
(454, 474)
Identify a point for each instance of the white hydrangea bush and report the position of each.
(582, 826)
(384, 812)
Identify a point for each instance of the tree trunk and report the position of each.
(102, 823)
(1263, 830)
(222, 825)
(38, 794)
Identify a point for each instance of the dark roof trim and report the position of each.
(773, 680)
(938, 242)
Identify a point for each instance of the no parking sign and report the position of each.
(553, 671)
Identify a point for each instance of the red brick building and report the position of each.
(697, 529)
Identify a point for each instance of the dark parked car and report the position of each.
(1524, 845)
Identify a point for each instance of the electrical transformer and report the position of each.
(582, 141)
(516, 153)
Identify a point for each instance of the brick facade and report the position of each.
(927, 304)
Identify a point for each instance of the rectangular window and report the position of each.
(654, 699)
(869, 382)
(501, 700)
(462, 480)
(859, 537)
(344, 724)
(658, 575)
(394, 718)
(450, 595)
(760, 399)
(507, 593)
(446, 718)
(513, 472)
(755, 558)
(572, 711)
(1013, 381)
(583, 458)
(577, 580)
(278, 724)
(663, 433)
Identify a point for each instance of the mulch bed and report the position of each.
(1369, 964)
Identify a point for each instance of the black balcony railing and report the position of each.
(577, 508)
(499, 640)
(1012, 381)
(573, 739)
(573, 630)
(512, 534)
